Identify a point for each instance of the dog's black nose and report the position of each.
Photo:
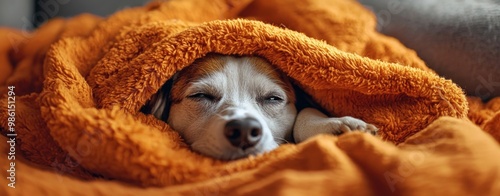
(243, 133)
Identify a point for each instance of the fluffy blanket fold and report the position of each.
(83, 120)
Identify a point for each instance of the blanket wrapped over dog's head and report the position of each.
(96, 83)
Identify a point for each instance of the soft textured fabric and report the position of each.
(84, 122)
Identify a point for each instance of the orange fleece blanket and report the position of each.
(79, 85)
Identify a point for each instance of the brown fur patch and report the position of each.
(264, 67)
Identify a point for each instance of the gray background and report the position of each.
(27, 14)
(459, 39)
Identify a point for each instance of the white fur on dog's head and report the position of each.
(217, 89)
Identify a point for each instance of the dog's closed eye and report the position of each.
(272, 99)
(202, 96)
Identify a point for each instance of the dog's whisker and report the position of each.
(281, 140)
(205, 148)
(220, 116)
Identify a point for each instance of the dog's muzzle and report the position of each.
(243, 133)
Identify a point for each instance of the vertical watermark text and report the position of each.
(11, 136)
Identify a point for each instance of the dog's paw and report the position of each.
(348, 124)
(311, 122)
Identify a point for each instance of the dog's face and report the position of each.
(231, 107)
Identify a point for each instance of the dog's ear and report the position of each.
(304, 100)
(159, 104)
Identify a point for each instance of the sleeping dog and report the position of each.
(230, 107)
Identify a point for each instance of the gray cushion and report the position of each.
(460, 39)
